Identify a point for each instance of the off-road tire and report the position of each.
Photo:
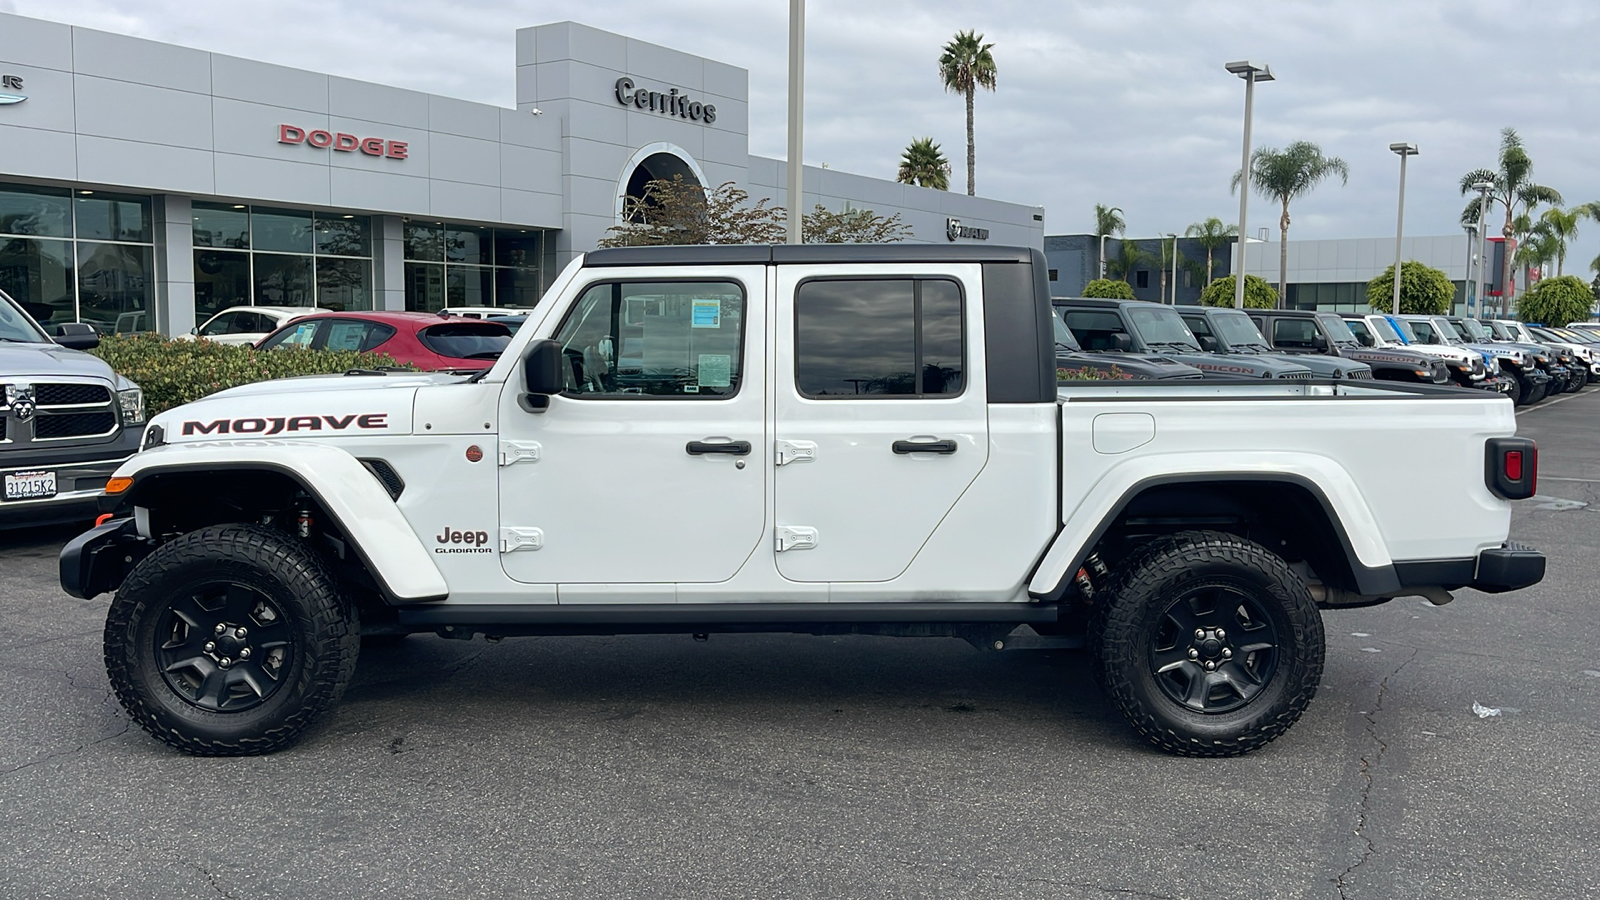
(1577, 380)
(271, 585)
(1254, 595)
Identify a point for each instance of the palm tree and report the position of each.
(924, 164)
(1513, 188)
(1285, 175)
(1211, 234)
(1129, 258)
(1107, 221)
(964, 66)
(1561, 226)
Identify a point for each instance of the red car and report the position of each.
(427, 341)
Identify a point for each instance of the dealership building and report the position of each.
(145, 185)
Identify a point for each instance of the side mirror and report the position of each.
(1208, 343)
(542, 370)
(76, 335)
(1121, 341)
(1320, 343)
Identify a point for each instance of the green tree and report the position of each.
(1258, 294)
(924, 165)
(1107, 222)
(1556, 301)
(1424, 290)
(852, 226)
(678, 212)
(966, 65)
(1130, 256)
(1108, 289)
(1513, 189)
(1284, 175)
(1211, 234)
(1560, 227)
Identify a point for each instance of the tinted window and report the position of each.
(876, 337)
(466, 340)
(1094, 328)
(15, 324)
(1300, 333)
(1360, 330)
(223, 324)
(657, 339)
(1198, 325)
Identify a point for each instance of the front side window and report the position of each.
(1297, 333)
(299, 336)
(626, 340)
(859, 338)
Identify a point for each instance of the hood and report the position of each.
(1451, 352)
(1140, 366)
(40, 361)
(1325, 366)
(313, 406)
(1241, 365)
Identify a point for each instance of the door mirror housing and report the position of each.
(1208, 343)
(543, 374)
(1320, 342)
(76, 335)
(1121, 341)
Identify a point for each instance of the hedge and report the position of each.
(1258, 294)
(1109, 289)
(173, 373)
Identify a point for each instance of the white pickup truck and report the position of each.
(816, 439)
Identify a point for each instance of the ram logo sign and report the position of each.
(9, 83)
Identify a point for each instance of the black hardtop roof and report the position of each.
(1103, 302)
(1293, 313)
(813, 254)
(1197, 308)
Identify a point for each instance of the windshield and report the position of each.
(1339, 331)
(1384, 330)
(1445, 331)
(1499, 331)
(1476, 331)
(1162, 327)
(1064, 338)
(1404, 328)
(1237, 329)
(15, 325)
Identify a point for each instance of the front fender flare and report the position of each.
(363, 509)
(1325, 479)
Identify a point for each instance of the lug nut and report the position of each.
(1210, 666)
(221, 628)
(245, 653)
(238, 632)
(1193, 653)
(210, 646)
(1226, 653)
(1221, 635)
(226, 662)
(1199, 633)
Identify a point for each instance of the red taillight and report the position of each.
(1513, 465)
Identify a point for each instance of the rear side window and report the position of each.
(626, 340)
(880, 337)
(355, 334)
(464, 340)
(1094, 328)
(299, 335)
(1299, 333)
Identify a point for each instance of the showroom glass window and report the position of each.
(261, 256)
(470, 265)
(84, 256)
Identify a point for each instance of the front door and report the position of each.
(881, 418)
(649, 468)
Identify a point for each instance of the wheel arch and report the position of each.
(353, 498)
(1291, 506)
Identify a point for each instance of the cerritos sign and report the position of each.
(670, 102)
(341, 142)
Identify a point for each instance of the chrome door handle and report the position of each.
(943, 446)
(737, 448)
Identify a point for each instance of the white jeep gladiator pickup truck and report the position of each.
(816, 439)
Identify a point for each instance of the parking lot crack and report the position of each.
(212, 880)
(1369, 763)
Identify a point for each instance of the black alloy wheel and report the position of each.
(230, 640)
(1209, 644)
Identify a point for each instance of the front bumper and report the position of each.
(97, 561)
(79, 482)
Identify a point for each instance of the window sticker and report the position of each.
(346, 335)
(706, 314)
(716, 370)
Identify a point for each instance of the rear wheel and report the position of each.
(1577, 380)
(230, 640)
(1210, 645)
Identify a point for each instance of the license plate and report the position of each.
(30, 485)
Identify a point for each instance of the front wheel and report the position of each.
(228, 641)
(1210, 644)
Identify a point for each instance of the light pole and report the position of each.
(1174, 268)
(1472, 241)
(1251, 73)
(1102, 256)
(797, 85)
(1483, 188)
(1404, 150)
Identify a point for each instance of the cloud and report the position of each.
(1124, 103)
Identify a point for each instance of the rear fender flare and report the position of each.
(1325, 480)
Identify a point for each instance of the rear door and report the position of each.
(881, 415)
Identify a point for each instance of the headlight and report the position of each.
(132, 403)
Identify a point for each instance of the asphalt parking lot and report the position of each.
(1451, 752)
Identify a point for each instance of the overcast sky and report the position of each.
(1124, 103)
